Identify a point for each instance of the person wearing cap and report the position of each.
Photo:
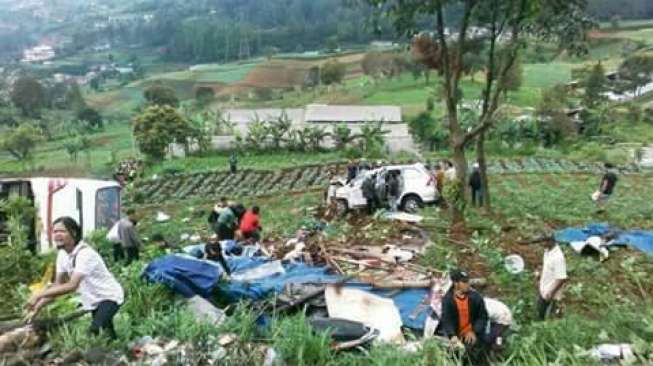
(464, 316)
(476, 186)
(552, 278)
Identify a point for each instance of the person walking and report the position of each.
(233, 163)
(476, 186)
(606, 187)
(129, 241)
(79, 268)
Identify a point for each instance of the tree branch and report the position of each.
(487, 119)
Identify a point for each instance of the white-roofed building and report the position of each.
(397, 138)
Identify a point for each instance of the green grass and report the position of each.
(212, 73)
(52, 157)
(642, 35)
(259, 161)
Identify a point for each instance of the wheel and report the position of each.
(411, 203)
(341, 207)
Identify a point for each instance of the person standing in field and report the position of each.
(129, 241)
(476, 186)
(552, 279)
(606, 187)
(233, 163)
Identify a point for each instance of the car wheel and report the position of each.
(341, 207)
(411, 203)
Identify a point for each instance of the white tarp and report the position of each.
(374, 311)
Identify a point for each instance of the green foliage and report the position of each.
(637, 70)
(594, 86)
(333, 72)
(204, 95)
(76, 144)
(554, 124)
(74, 98)
(92, 118)
(29, 96)
(161, 95)
(21, 141)
(157, 127)
(299, 345)
(425, 129)
(257, 135)
(513, 79)
(342, 135)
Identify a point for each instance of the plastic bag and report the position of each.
(113, 235)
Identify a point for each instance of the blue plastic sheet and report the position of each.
(188, 277)
(638, 239)
(184, 275)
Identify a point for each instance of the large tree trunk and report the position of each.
(482, 164)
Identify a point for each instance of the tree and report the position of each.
(21, 141)
(29, 96)
(333, 72)
(92, 118)
(279, 130)
(270, 51)
(508, 21)
(257, 134)
(594, 86)
(342, 136)
(637, 70)
(331, 44)
(157, 127)
(158, 94)
(615, 21)
(78, 143)
(513, 78)
(553, 123)
(204, 95)
(74, 98)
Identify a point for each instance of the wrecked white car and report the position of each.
(417, 188)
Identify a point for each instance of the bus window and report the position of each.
(107, 207)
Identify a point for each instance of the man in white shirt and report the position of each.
(80, 268)
(552, 278)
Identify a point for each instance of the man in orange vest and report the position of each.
(464, 316)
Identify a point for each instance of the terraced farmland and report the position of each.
(268, 182)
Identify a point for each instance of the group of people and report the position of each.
(479, 324)
(127, 170)
(231, 221)
(382, 190)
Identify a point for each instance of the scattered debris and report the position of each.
(162, 217)
(203, 310)
(514, 263)
(375, 311)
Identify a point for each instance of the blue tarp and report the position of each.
(263, 287)
(189, 276)
(638, 239)
(186, 276)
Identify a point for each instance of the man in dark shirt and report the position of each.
(464, 317)
(475, 185)
(608, 182)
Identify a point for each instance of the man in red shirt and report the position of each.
(250, 226)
